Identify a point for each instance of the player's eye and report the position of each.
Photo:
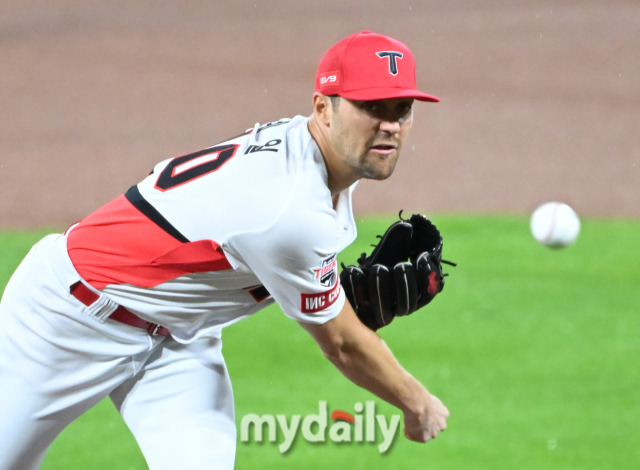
(371, 107)
(405, 108)
(387, 110)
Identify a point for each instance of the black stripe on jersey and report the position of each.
(134, 197)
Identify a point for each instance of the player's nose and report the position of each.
(391, 126)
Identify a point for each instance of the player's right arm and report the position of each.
(362, 357)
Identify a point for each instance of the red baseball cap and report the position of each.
(368, 66)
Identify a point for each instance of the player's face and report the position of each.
(370, 134)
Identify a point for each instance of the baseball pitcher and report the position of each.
(130, 302)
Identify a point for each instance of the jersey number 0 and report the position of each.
(187, 168)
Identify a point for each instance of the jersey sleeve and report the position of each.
(296, 260)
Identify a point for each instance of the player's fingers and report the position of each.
(425, 428)
(419, 436)
(423, 435)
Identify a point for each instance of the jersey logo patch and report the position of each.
(327, 274)
(312, 303)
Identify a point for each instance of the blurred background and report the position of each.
(540, 98)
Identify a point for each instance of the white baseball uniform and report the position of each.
(205, 240)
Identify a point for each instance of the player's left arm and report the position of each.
(362, 356)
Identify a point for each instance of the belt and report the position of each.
(120, 314)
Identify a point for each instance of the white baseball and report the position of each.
(555, 224)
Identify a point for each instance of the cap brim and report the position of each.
(372, 94)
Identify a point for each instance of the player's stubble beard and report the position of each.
(363, 161)
(367, 164)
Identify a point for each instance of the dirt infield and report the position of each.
(540, 99)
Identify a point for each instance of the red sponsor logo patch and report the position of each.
(311, 303)
(326, 269)
(327, 274)
(329, 79)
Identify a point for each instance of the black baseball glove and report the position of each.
(402, 274)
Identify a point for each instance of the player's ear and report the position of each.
(322, 108)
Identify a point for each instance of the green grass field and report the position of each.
(535, 352)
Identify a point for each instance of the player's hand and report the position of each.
(422, 427)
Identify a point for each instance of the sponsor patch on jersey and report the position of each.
(327, 274)
(312, 303)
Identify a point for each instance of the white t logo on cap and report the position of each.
(392, 56)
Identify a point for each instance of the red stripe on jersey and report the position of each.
(118, 244)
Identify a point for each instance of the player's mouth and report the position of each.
(384, 149)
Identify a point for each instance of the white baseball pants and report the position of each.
(57, 361)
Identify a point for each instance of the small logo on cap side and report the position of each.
(329, 78)
(392, 56)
